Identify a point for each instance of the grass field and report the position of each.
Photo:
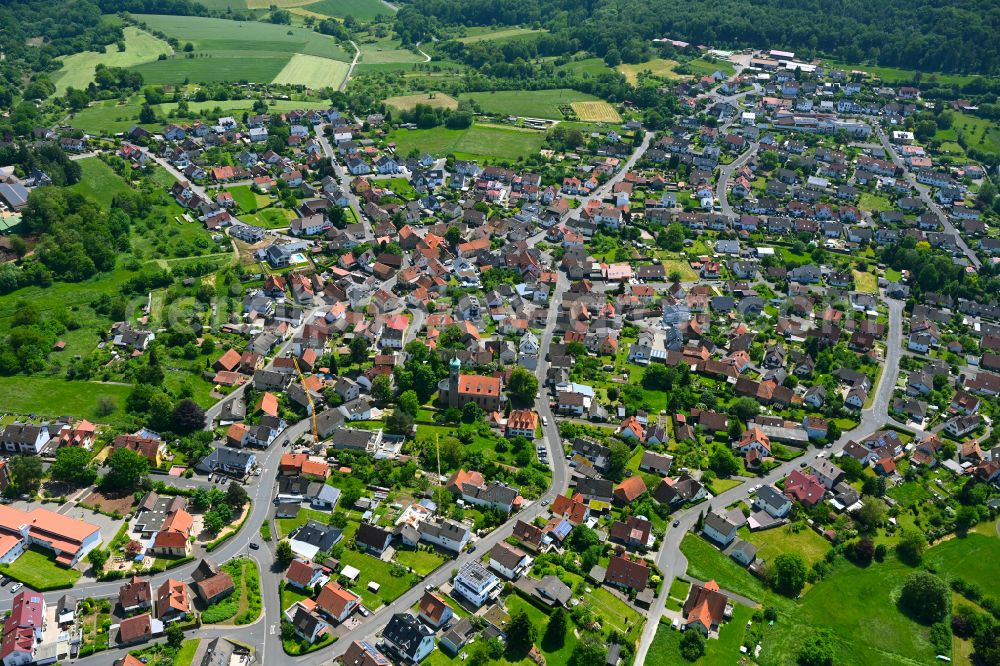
(587, 66)
(78, 69)
(771, 543)
(375, 570)
(478, 142)
(37, 569)
(473, 35)
(98, 181)
(407, 102)
(386, 51)
(856, 604)
(874, 202)
(421, 561)
(108, 117)
(531, 103)
(597, 112)
(701, 67)
(660, 67)
(313, 72)
(978, 132)
(234, 50)
(364, 10)
(895, 75)
(865, 282)
(53, 397)
(974, 558)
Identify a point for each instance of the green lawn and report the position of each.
(374, 570)
(725, 651)
(705, 562)
(78, 69)
(185, 655)
(37, 569)
(771, 543)
(875, 203)
(421, 561)
(286, 526)
(244, 197)
(531, 103)
(615, 613)
(554, 655)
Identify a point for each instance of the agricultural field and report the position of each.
(237, 51)
(483, 142)
(313, 72)
(529, 103)
(600, 112)
(78, 69)
(660, 67)
(363, 10)
(435, 100)
(485, 34)
(108, 117)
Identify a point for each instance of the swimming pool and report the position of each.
(297, 258)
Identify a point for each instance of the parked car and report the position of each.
(16, 587)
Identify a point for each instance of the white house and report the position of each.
(477, 584)
(769, 499)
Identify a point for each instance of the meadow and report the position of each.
(857, 604)
(385, 51)
(978, 132)
(530, 103)
(485, 142)
(407, 102)
(237, 51)
(78, 69)
(473, 35)
(364, 10)
(660, 67)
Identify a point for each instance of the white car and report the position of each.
(17, 586)
(545, 421)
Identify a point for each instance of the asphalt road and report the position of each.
(924, 193)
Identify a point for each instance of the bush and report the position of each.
(692, 645)
(925, 597)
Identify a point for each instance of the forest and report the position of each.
(951, 36)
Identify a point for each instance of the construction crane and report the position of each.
(312, 407)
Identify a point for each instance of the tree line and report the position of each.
(920, 34)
